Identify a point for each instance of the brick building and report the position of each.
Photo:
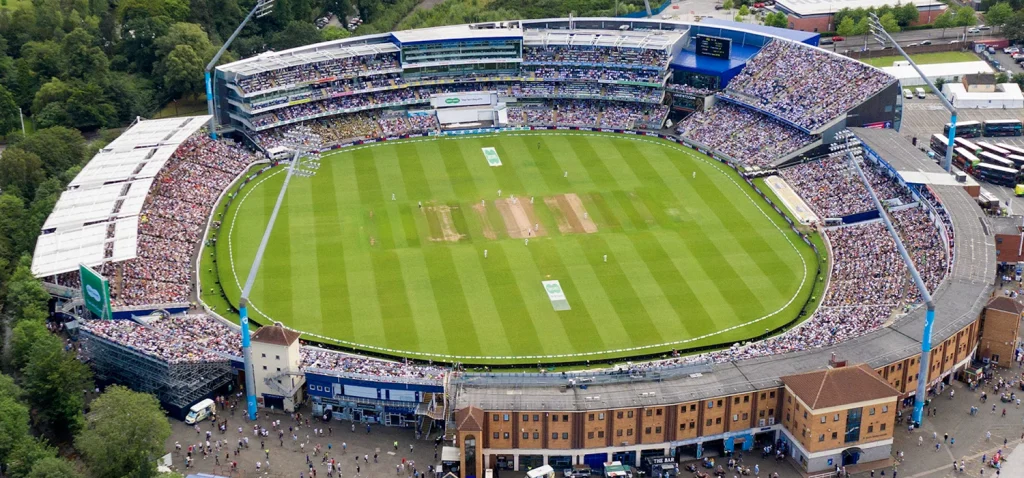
(1000, 326)
(820, 16)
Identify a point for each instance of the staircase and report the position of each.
(285, 388)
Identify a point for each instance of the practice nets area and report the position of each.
(517, 248)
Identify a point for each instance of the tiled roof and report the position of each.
(835, 387)
(276, 335)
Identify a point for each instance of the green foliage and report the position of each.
(945, 20)
(744, 11)
(334, 33)
(27, 452)
(82, 57)
(184, 74)
(999, 14)
(296, 33)
(905, 14)
(9, 119)
(20, 172)
(728, 5)
(1014, 27)
(776, 19)
(965, 17)
(1018, 78)
(888, 22)
(13, 417)
(54, 381)
(1002, 77)
(59, 148)
(53, 467)
(454, 12)
(383, 15)
(124, 434)
(26, 334)
(26, 298)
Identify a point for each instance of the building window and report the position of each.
(495, 417)
(718, 421)
(629, 432)
(554, 418)
(278, 369)
(618, 433)
(526, 418)
(871, 411)
(711, 404)
(506, 435)
(495, 435)
(736, 400)
(693, 407)
(885, 409)
(600, 416)
(835, 417)
(746, 415)
(746, 399)
(526, 435)
(882, 427)
(835, 435)
(536, 418)
(565, 436)
(821, 437)
(590, 435)
(771, 412)
(618, 415)
(657, 429)
(505, 417)
(771, 394)
(536, 435)
(719, 404)
(629, 414)
(789, 399)
(263, 355)
(554, 436)
(658, 412)
(565, 418)
(600, 433)
(736, 418)
(590, 417)
(264, 367)
(708, 423)
(871, 428)
(650, 412)
(822, 419)
(277, 357)
(762, 395)
(693, 425)
(647, 431)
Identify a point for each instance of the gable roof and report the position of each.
(839, 386)
(1005, 304)
(275, 335)
(469, 419)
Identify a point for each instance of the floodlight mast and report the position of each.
(261, 9)
(883, 37)
(929, 318)
(302, 143)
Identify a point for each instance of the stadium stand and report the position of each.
(748, 137)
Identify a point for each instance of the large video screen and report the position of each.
(715, 47)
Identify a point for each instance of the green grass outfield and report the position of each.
(925, 58)
(691, 262)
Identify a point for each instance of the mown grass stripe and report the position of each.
(435, 174)
(304, 267)
(582, 333)
(462, 181)
(399, 324)
(584, 271)
(334, 314)
(648, 290)
(497, 314)
(459, 330)
(413, 175)
(527, 165)
(541, 317)
(278, 262)
(427, 319)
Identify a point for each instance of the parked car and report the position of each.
(838, 38)
(973, 30)
(984, 27)
(825, 41)
(719, 6)
(912, 44)
(926, 42)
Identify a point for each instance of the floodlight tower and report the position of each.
(852, 150)
(261, 9)
(883, 37)
(305, 146)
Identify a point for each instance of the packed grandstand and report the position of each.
(768, 112)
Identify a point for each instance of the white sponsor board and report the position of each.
(461, 99)
(555, 294)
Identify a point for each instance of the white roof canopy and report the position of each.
(96, 220)
(648, 40)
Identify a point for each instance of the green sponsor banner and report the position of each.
(95, 292)
(491, 156)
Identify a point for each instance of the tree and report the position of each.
(184, 72)
(181, 33)
(82, 57)
(296, 33)
(26, 334)
(26, 298)
(54, 380)
(53, 467)
(20, 170)
(59, 148)
(905, 14)
(776, 19)
(1002, 77)
(1014, 28)
(335, 33)
(124, 434)
(13, 423)
(965, 17)
(888, 22)
(999, 14)
(9, 118)
(728, 5)
(847, 28)
(944, 21)
(27, 452)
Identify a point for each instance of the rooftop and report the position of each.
(833, 387)
(649, 40)
(459, 32)
(96, 219)
(818, 7)
(1006, 304)
(275, 335)
(317, 52)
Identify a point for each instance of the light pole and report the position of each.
(883, 37)
(261, 9)
(305, 161)
(929, 317)
(21, 116)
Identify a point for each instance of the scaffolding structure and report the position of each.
(175, 384)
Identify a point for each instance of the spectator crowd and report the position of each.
(749, 137)
(323, 70)
(595, 56)
(833, 189)
(806, 85)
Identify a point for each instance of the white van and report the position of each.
(919, 91)
(908, 94)
(541, 472)
(200, 411)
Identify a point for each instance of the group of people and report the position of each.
(173, 343)
(313, 357)
(173, 219)
(336, 130)
(806, 85)
(565, 72)
(591, 55)
(745, 135)
(309, 72)
(833, 189)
